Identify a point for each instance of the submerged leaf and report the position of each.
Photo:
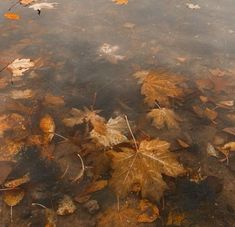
(164, 116)
(47, 125)
(111, 133)
(159, 87)
(12, 16)
(13, 197)
(19, 66)
(144, 167)
(17, 182)
(66, 206)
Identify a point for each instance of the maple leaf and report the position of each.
(19, 66)
(144, 167)
(121, 2)
(159, 87)
(80, 116)
(111, 133)
(164, 116)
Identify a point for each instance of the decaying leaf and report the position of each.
(17, 182)
(22, 94)
(120, 2)
(192, 6)
(19, 66)
(183, 143)
(144, 167)
(47, 125)
(205, 113)
(95, 186)
(211, 151)
(53, 100)
(149, 212)
(164, 117)
(43, 5)
(13, 197)
(124, 217)
(175, 218)
(229, 146)
(158, 86)
(12, 16)
(111, 133)
(11, 122)
(66, 206)
(80, 116)
(9, 149)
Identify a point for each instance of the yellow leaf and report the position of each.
(144, 167)
(12, 16)
(159, 87)
(121, 2)
(164, 116)
(13, 197)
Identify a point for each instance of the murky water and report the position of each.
(86, 53)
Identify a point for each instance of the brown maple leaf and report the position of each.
(144, 167)
(158, 86)
(110, 133)
(164, 116)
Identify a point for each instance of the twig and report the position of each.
(11, 214)
(7, 189)
(94, 101)
(4, 67)
(132, 135)
(40, 205)
(82, 171)
(66, 170)
(157, 105)
(118, 203)
(12, 6)
(56, 134)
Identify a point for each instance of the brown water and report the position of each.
(161, 35)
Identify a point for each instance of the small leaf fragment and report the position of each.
(66, 206)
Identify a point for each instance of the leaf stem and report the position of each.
(132, 135)
(83, 169)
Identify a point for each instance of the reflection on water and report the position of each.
(85, 53)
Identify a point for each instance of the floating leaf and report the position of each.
(66, 206)
(19, 66)
(145, 168)
(121, 2)
(17, 182)
(13, 197)
(192, 6)
(164, 117)
(159, 87)
(111, 133)
(12, 16)
(43, 5)
(26, 2)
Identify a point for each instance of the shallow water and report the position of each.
(164, 35)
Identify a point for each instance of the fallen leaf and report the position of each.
(22, 94)
(159, 87)
(19, 66)
(205, 113)
(192, 6)
(17, 182)
(95, 186)
(12, 16)
(111, 133)
(26, 2)
(164, 117)
(120, 2)
(204, 99)
(53, 100)
(9, 149)
(144, 167)
(13, 197)
(211, 151)
(217, 72)
(47, 125)
(229, 146)
(181, 59)
(43, 5)
(80, 116)
(230, 130)
(175, 218)
(66, 206)
(124, 217)
(149, 212)
(183, 144)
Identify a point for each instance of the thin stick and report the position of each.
(132, 135)
(8, 189)
(56, 134)
(158, 105)
(12, 6)
(94, 101)
(4, 67)
(66, 170)
(118, 203)
(38, 204)
(82, 171)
